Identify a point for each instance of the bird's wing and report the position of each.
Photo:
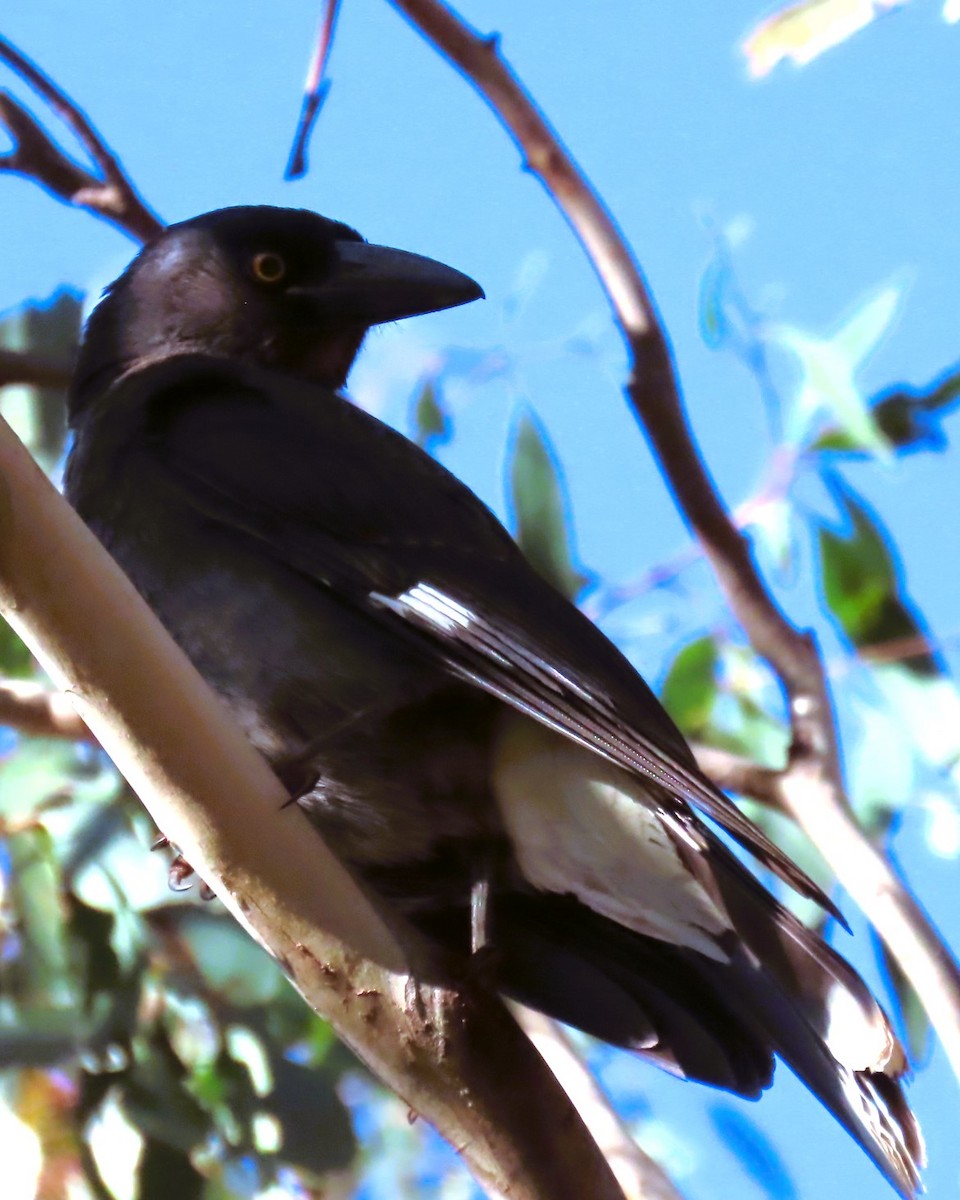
(346, 501)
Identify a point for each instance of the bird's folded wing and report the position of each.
(346, 501)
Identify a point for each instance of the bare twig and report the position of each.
(449, 1048)
(813, 791)
(314, 92)
(109, 194)
(734, 773)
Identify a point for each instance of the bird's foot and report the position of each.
(180, 873)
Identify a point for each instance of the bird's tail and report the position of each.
(823, 1021)
(783, 991)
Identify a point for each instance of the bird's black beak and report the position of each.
(377, 284)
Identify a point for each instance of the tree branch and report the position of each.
(109, 194)
(637, 1173)
(733, 773)
(32, 708)
(17, 367)
(812, 787)
(451, 1050)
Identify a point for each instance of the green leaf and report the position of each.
(540, 509)
(154, 1097)
(233, 966)
(690, 688)
(49, 332)
(433, 426)
(16, 661)
(861, 584)
(42, 968)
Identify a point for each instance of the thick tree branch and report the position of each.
(812, 787)
(109, 194)
(451, 1050)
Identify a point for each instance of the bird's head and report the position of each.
(282, 288)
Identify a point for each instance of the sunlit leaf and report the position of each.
(829, 365)
(116, 1146)
(539, 507)
(690, 687)
(772, 526)
(801, 32)
(910, 419)
(22, 1156)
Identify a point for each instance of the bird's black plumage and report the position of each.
(438, 709)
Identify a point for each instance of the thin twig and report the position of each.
(109, 194)
(813, 790)
(315, 91)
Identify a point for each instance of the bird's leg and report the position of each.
(480, 913)
(486, 863)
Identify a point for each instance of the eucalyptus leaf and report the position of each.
(16, 661)
(911, 419)
(828, 374)
(690, 687)
(540, 508)
(861, 584)
(42, 969)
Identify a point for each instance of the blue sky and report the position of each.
(842, 177)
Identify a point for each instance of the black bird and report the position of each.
(463, 737)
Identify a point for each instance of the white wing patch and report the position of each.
(429, 604)
(581, 825)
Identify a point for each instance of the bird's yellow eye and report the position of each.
(268, 267)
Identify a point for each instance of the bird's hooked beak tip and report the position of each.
(378, 284)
